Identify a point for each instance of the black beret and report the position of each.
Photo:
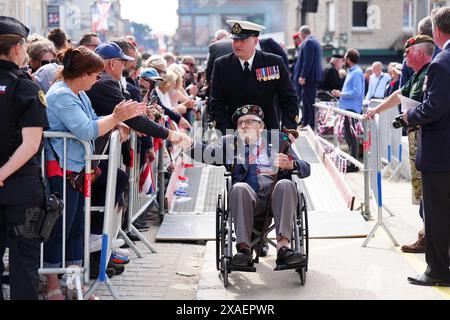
(248, 110)
(9, 25)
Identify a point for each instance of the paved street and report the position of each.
(338, 269)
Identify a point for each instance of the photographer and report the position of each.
(418, 53)
(21, 191)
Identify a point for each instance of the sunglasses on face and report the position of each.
(44, 62)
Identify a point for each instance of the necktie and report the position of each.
(252, 176)
(246, 69)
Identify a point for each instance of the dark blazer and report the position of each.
(230, 91)
(217, 50)
(331, 80)
(223, 47)
(229, 152)
(309, 62)
(271, 46)
(433, 150)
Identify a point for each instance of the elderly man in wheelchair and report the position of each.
(261, 164)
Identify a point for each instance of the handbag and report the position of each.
(77, 179)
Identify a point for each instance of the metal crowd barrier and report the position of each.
(137, 203)
(329, 110)
(112, 217)
(391, 150)
(74, 274)
(371, 164)
(112, 228)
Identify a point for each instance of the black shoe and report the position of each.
(352, 168)
(424, 280)
(242, 259)
(264, 250)
(133, 237)
(287, 256)
(141, 226)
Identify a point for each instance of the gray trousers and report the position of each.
(245, 204)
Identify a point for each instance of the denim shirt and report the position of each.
(352, 95)
(68, 112)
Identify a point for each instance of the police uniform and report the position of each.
(22, 105)
(265, 82)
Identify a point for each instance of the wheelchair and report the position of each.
(225, 236)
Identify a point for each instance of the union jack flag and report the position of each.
(100, 15)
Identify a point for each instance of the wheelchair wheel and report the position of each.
(302, 274)
(304, 227)
(225, 271)
(219, 235)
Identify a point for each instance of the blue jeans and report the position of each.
(74, 204)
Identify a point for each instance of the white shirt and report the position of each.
(377, 86)
(446, 44)
(250, 61)
(165, 98)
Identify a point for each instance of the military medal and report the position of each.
(259, 74)
(274, 76)
(277, 73)
(264, 72)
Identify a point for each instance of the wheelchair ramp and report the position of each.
(326, 189)
(322, 225)
(192, 216)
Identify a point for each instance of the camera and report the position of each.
(399, 122)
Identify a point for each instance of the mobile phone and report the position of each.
(154, 99)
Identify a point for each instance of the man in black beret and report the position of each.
(256, 157)
(331, 80)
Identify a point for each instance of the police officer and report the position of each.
(250, 76)
(23, 119)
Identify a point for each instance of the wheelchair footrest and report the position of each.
(243, 269)
(300, 265)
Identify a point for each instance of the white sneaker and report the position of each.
(122, 252)
(96, 240)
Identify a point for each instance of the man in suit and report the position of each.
(308, 73)
(219, 48)
(433, 157)
(249, 76)
(255, 158)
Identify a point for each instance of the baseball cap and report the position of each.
(151, 73)
(112, 51)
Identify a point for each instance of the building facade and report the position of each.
(30, 12)
(199, 19)
(377, 28)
